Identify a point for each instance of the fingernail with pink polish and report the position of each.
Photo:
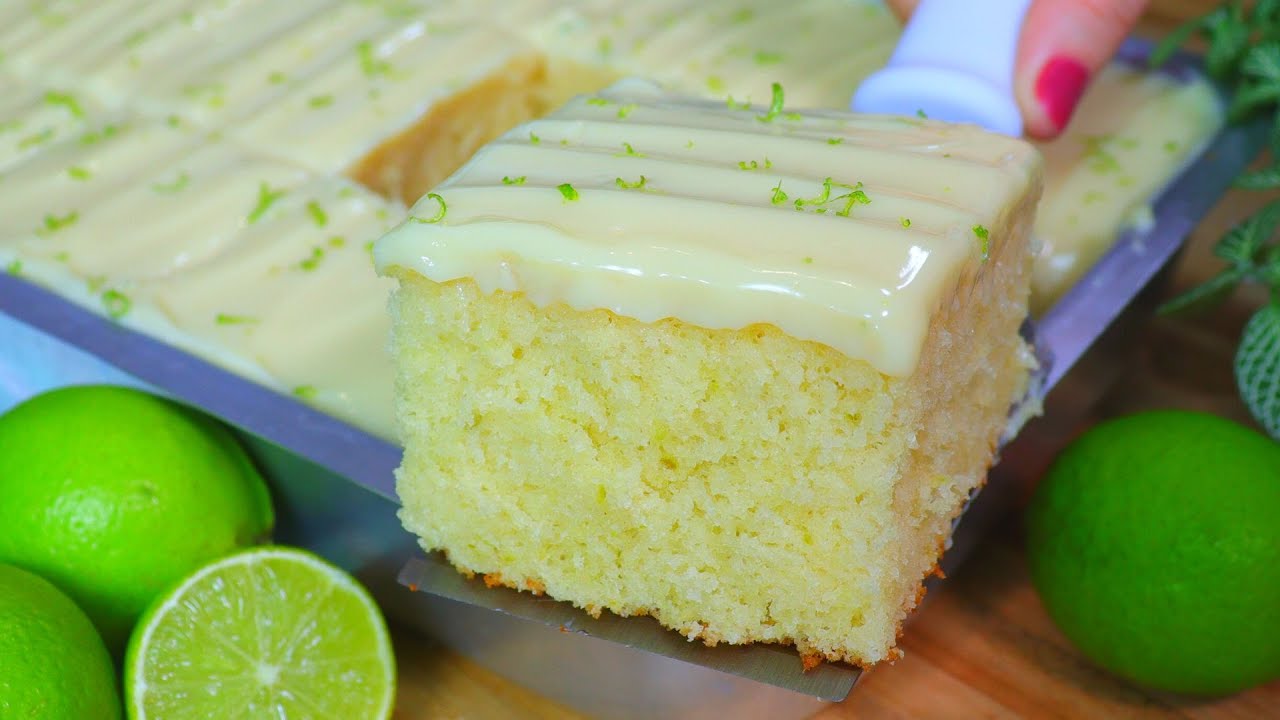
(1058, 88)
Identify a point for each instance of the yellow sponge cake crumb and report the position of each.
(783, 469)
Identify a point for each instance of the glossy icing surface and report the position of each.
(841, 229)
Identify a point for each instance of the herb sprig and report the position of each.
(1243, 53)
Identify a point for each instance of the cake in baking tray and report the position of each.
(285, 105)
(734, 367)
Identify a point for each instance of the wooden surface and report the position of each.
(982, 646)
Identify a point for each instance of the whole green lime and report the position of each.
(55, 665)
(1154, 541)
(114, 495)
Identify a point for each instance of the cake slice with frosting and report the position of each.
(733, 367)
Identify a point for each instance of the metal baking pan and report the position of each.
(335, 491)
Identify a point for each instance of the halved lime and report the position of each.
(268, 632)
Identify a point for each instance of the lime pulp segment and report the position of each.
(269, 632)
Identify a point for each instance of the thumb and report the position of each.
(1064, 43)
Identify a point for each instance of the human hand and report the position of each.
(1064, 44)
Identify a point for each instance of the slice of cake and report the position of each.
(307, 306)
(733, 367)
(219, 250)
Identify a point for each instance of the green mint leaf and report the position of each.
(1208, 294)
(1228, 41)
(1266, 13)
(1268, 271)
(1242, 243)
(1174, 40)
(116, 303)
(1257, 367)
(1249, 97)
(1264, 179)
(1262, 62)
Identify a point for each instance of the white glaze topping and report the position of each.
(836, 228)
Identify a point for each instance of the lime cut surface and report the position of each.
(268, 632)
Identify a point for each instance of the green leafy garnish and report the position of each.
(735, 105)
(305, 392)
(984, 241)
(628, 151)
(855, 196)
(625, 110)
(598, 101)
(763, 57)
(1243, 53)
(1097, 151)
(906, 222)
(753, 165)
(1093, 196)
(778, 196)
(920, 113)
(534, 139)
(225, 319)
(36, 139)
(370, 64)
(95, 137)
(136, 38)
(834, 141)
(116, 303)
(820, 199)
(211, 92)
(567, 192)
(506, 180)
(637, 185)
(1257, 367)
(266, 198)
(65, 100)
(317, 213)
(172, 187)
(312, 261)
(440, 213)
(54, 223)
(75, 172)
(320, 101)
(775, 106)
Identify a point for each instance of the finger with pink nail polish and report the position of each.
(1064, 43)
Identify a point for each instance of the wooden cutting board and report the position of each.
(982, 646)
